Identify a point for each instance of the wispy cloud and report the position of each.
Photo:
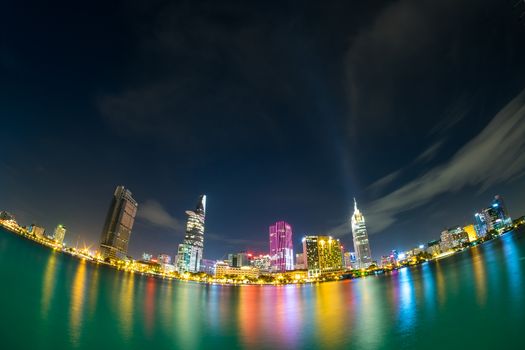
(494, 156)
(384, 181)
(153, 212)
(429, 153)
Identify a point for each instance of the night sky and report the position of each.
(275, 110)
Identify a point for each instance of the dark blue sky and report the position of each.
(276, 112)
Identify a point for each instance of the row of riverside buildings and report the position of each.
(321, 254)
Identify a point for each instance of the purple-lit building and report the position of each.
(281, 246)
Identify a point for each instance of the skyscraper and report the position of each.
(191, 250)
(330, 254)
(501, 210)
(322, 254)
(361, 244)
(311, 255)
(119, 222)
(481, 224)
(281, 246)
(60, 232)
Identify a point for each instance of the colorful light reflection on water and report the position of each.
(448, 303)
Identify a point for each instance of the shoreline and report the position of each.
(342, 275)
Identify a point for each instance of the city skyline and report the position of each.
(262, 175)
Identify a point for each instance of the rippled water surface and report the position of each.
(475, 299)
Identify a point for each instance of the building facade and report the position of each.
(349, 260)
(299, 261)
(60, 233)
(361, 244)
(471, 232)
(330, 254)
(322, 254)
(239, 259)
(480, 224)
(190, 251)
(222, 269)
(208, 266)
(453, 238)
(119, 223)
(311, 255)
(262, 262)
(281, 246)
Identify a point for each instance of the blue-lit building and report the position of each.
(493, 218)
(501, 210)
(480, 224)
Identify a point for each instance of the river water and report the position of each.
(474, 299)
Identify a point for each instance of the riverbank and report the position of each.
(292, 277)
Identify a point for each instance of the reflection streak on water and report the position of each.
(429, 286)
(512, 264)
(251, 322)
(293, 315)
(93, 290)
(166, 308)
(369, 317)
(77, 302)
(49, 284)
(330, 314)
(406, 306)
(149, 306)
(187, 317)
(478, 267)
(440, 282)
(126, 300)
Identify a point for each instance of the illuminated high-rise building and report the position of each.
(330, 254)
(498, 205)
(191, 250)
(360, 235)
(311, 254)
(119, 223)
(281, 246)
(60, 232)
(322, 254)
(480, 224)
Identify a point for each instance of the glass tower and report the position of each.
(119, 222)
(501, 211)
(281, 246)
(361, 244)
(191, 250)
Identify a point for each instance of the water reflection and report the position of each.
(186, 316)
(513, 262)
(429, 286)
(126, 298)
(48, 286)
(407, 307)
(93, 290)
(77, 302)
(330, 316)
(440, 282)
(165, 308)
(250, 317)
(480, 279)
(370, 314)
(149, 305)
